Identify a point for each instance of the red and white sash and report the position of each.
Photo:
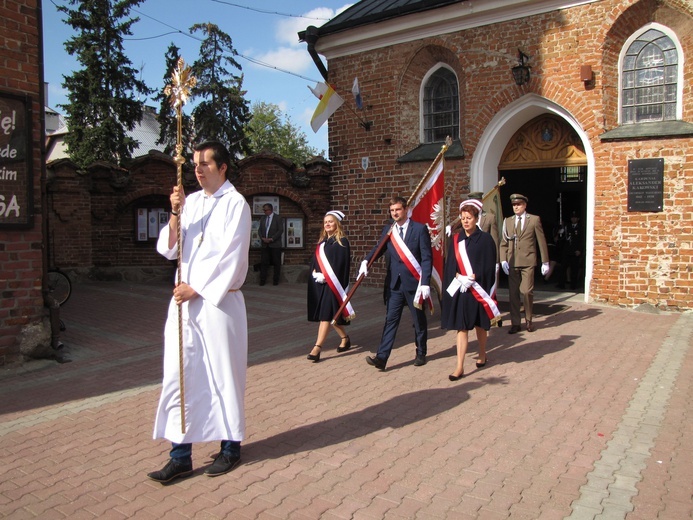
(412, 264)
(481, 296)
(333, 282)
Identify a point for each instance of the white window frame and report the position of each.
(679, 79)
(422, 89)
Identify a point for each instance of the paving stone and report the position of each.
(541, 432)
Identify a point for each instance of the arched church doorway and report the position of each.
(499, 132)
(546, 161)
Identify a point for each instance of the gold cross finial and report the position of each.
(182, 82)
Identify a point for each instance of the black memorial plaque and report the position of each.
(645, 184)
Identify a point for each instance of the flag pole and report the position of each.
(486, 196)
(383, 242)
(182, 81)
(424, 179)
(358, 281)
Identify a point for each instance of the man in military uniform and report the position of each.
(518, 254)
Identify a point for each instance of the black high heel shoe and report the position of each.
(345, 347)
(481, 365)
(313, 358)
(456, 378)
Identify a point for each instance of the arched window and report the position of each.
(649, 78)
(441, 106)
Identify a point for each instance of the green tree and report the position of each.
(271, 130)
(102, 95)
(167, 118)
(223, 112)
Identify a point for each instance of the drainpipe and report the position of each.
(48, 300)
(310, 36)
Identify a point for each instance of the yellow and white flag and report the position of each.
(328, 105)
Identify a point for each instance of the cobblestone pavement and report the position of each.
(588, 417)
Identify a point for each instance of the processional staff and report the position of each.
(182, 82)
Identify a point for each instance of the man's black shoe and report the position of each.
(171, 471)
(375, 362)
(420, 361)
(223, 464)
(514, 329)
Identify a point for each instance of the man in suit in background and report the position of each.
(271, 229)
(518, 255)
(409, 274)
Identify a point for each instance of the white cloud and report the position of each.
(290, 54)
(293, 60)
(287, 30)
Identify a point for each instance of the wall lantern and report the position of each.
(521, 70)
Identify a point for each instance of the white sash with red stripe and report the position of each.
(333, 282)
(412, 264)
(481, 296)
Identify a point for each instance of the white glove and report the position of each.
(318, 277)
(506, 267)
(465, 282)
(363, 270)
(544, 268)
(425, 292)
(448, 230)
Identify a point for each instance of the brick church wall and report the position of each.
(638, 257)
(21, 252)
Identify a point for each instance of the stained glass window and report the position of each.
(649, 79)
(441, 107)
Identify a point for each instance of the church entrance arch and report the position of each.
(543, 153)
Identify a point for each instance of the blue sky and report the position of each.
(261, 30)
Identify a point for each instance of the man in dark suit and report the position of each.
(518, 255)
(409, 272)
(271, 229)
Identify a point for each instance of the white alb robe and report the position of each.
(215, 326)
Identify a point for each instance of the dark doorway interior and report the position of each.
(553, 193)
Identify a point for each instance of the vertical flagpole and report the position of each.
(182, 81)
(424, 179)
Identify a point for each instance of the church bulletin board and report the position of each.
(294, 233)
(646, 185)
(16, 158)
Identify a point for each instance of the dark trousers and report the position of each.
(183, 452)
(395, 305)
(574, 263)
(273, 256)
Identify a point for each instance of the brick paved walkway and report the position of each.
(589, 417)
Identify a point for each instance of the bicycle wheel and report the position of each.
(59, 286)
